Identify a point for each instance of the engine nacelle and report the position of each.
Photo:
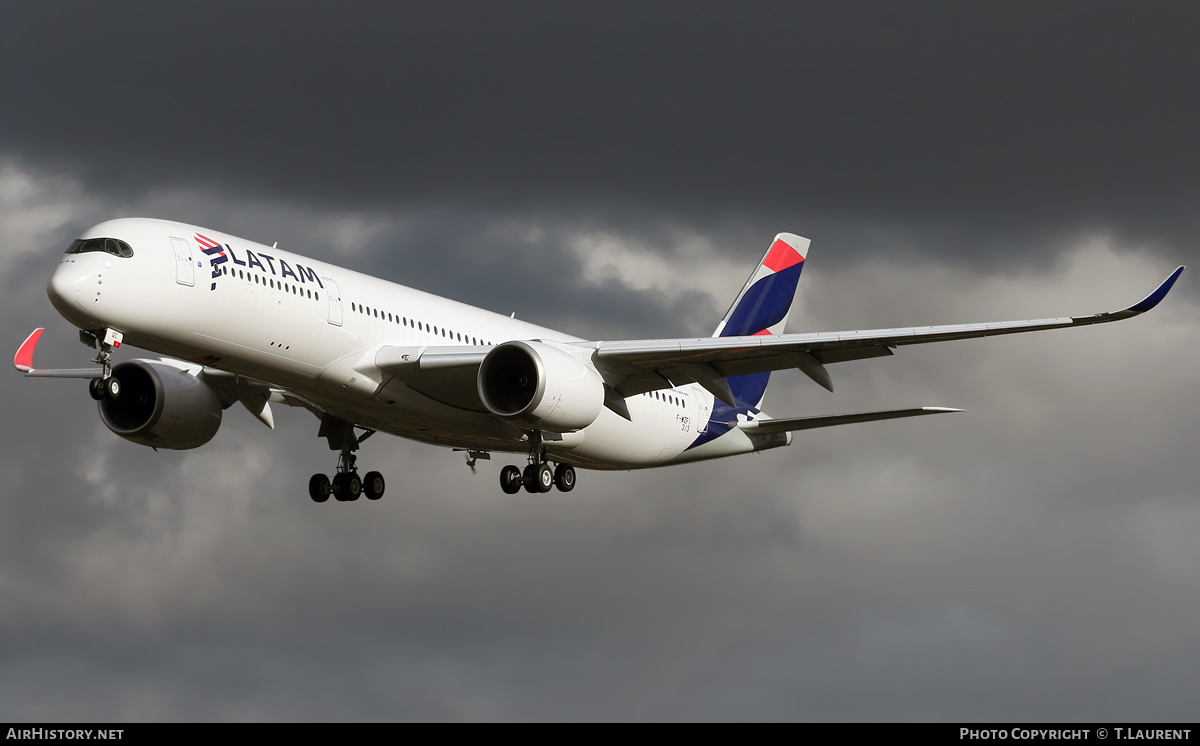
(161, 406)
(540, 386)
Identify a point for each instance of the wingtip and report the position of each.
(1152, 300)
(23, 360)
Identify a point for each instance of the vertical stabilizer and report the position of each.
(762, 307)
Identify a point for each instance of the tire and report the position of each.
(96, 388)
(353, 487)
(339, 488)
(545, 477)
(319, 488)
(373, 485)
(564, 477)
(112, 387)
(510, 480)
(529, 479)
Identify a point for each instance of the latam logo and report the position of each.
(219, 254)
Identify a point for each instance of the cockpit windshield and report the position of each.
(107, 245)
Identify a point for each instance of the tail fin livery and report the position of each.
(762, 308)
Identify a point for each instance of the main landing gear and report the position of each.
(539, 475)
(346, 485)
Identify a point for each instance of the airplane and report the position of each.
(239, 321)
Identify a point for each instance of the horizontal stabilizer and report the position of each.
(829, 420)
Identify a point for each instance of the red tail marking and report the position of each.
(781, 256)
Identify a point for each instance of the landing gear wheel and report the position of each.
(545, 477)
(319, 488)
(373, 485)
(347, 487)
(96, 388)
(564, 477)
(112, 387)
(529, 478)
(510, 479)
(339, 487)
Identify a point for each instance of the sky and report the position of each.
(614, 170)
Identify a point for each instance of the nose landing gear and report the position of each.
(104, 386)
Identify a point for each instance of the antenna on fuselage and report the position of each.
(275, 245)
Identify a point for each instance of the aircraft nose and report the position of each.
(67, 289)
(64, 285)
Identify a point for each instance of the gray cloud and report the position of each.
(1015, 120)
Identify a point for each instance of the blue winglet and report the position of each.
(1156, 297)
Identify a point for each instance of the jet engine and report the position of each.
(162, 406)
(540, 386)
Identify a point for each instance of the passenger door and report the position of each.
(184, 271)
(335, 301)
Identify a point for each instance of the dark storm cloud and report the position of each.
(1030, 558)
(996, 115)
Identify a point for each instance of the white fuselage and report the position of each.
(313, 329)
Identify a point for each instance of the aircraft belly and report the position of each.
(655, 436)
(402, 411)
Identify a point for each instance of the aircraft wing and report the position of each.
(447, 373)
(255, 395)
(443, 373)
(635, 366)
